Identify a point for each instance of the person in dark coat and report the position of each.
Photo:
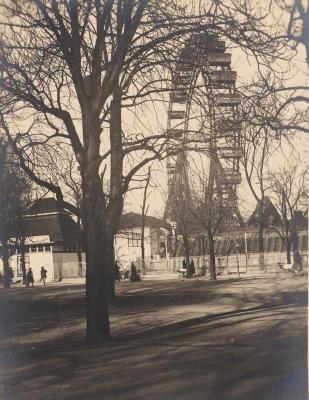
(192, 268)
(43, 275)
(297, 258)
(126, 274)
(29, 278)
(11, 274)
(116, 271)
(297, 265)
(134, 277)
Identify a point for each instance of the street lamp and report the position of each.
(246, 250)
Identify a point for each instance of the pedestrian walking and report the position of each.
(11, 274)
(116, 271)
(297, 267)
(192, 268)
(29, 278)
(297, 258)
(134, 277)
(126, 273)
(43, 275)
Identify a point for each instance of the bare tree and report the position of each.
(265, 131)
(185, 226)
(255, 157)
(289, 191)
(69, 68)
(69, 65)
(14, 199)
(297, 28)
(287, 86)
(210, 213)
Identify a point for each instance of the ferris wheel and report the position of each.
(204, 67)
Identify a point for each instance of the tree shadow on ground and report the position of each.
(194, 361)
(28, 312)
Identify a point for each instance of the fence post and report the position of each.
(246, 250)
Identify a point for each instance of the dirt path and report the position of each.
(236, 339)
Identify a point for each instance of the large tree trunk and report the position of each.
(288, 240)
(99, 277)
(295, 239)
(100, 217)
(99, 245)
(212, 256)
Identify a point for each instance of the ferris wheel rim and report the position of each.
(183, 95)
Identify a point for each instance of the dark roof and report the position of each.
(59, 227)
(134, 220)
(45, 206)
(46, 217)
(271, 215)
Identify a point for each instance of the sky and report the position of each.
(246, 71)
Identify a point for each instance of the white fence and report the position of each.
(229, 264)
(70, 269)
(253, 263)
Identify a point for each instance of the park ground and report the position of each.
(232, 339)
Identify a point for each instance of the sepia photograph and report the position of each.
(154, 199)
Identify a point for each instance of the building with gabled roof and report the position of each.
(129, 237)
(52, 240)
(46, 216)
(271, 215)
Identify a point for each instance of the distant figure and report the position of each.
(29, 278)
(297, 258)
(184, 267)
(297, 265)
(1, 279)
(126, 273)
(43, 275)
(11, 274)
(192, 269)
(134, 277)
(203, 270)
(116, 271)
